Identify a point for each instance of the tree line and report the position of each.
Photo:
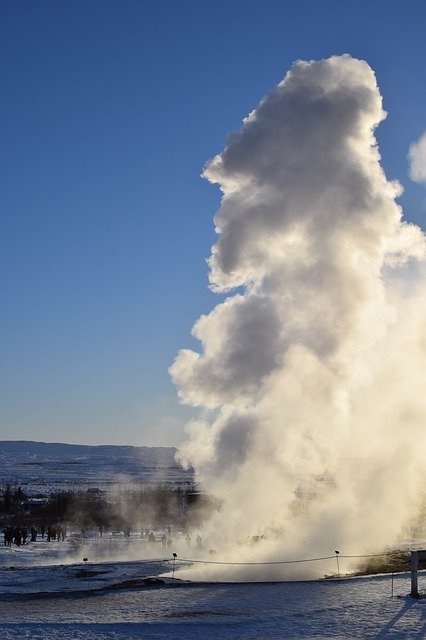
(137, 507)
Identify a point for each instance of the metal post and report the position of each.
(337, 560)
(85, 560)
(414, 566)
(392, 586)
(174, 562)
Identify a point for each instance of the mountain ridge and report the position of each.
(34, 445)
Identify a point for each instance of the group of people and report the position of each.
(19, 535)
(54, 532)
(198, 541)
(165, 541)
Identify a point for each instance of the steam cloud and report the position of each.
(417, 158)
(312, 374)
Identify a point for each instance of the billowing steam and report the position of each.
(417, 158)
(312, 376)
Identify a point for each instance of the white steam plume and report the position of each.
(417, 159)
(312, 375)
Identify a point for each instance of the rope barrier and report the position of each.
(372, 555)
(154, 560)
(255, 563)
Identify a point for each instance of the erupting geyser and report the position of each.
(312, 374)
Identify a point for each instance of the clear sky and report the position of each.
(109, 111)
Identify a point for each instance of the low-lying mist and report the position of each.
(128, 521)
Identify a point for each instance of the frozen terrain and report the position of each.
(41, 467)
(72, 600)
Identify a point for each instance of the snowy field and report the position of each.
(110, 600)
(40, 468)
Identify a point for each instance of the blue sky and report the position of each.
(109, 111)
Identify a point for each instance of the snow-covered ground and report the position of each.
(40, 467)
(51, 594)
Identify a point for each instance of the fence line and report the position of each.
(222, 562)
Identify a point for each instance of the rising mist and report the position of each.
(311, 377)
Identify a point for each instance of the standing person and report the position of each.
(9, 536)
(17, 534)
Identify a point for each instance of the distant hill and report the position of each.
(38, 466)
(61, 449)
